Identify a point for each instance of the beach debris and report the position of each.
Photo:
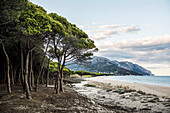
(108, 90)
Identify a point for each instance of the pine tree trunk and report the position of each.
(58, 79)
(47, 80)
(15, 71)
(55, 82)
(42, 75)
(58, 84)
(61, 74)
(37, 83)
(61, 83)
(29, 81)
(32, 79)
(22, 70)
(19, 77)
(30, 74)
(28, 95)
(8, 69)
(12, 75)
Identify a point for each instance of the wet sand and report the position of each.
(157, 90)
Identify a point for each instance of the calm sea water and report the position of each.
(149, 80)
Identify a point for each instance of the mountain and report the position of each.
(133, 67)
(104, 65)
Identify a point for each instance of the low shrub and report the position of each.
(90, 85)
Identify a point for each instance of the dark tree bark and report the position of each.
(32, 79)
(57, 84)
(58, 80)
(12, 75)
(47, 79)
(19, 77)
(61, 83)
(8, 69)
(42, 76)
(15, 71)
(22, 69)
(61, 73)
(30, 74)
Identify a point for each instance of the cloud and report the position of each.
(141, 44)
(109, 26)
(129, 29)
(98, 35)
(106, 31)
(144, 44)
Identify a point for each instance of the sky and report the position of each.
(137, 31)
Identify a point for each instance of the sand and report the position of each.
(157, 90)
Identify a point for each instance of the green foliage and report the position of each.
(34, 20)
(90, 73)
(10, 11)
(64, 24)
(53, 67)
(77, 32)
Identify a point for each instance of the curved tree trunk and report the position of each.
(8, 69)
(28, 95)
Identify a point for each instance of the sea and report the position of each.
(148, 80)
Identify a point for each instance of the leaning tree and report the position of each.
(73, 45)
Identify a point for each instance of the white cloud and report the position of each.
(108, 26)
(154, 43)
(129, 29)
(106, 31)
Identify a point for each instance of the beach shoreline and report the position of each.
(130, 97)
(150, 89)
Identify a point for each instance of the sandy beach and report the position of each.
(157, 90)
